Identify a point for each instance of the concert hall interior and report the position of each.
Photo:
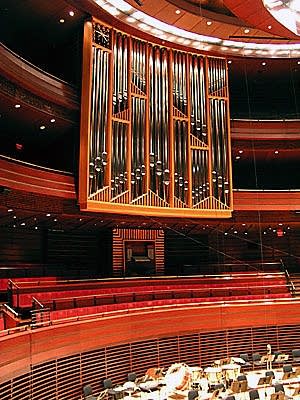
(149, 199)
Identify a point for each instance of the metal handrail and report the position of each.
(288, 278)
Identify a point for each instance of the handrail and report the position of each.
(288, 278)
(137, 310)
(148, 278)
(10, 309)
(36, 301)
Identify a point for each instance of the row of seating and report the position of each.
(21, 294)
(81, 311)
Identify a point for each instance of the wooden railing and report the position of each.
(19, 175)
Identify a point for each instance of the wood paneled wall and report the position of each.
(32, 367)
(121, 235)
(20, 246)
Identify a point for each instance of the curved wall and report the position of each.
(89, 350)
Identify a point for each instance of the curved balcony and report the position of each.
(24, 74)
(31, 178)
(90, 349)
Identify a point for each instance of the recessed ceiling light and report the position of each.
(263, 63)
(48, 215)
(298, 62)
(177, 12)
(55, 220)
(10, 210)
(229, 61)
(17, 105)
(15, 217)
(42, 127)
(237, 157)
(71, 13)
(208, 23)
(246, 233)
(35, 227)
(52, 120)
(235, 232)
(276, 151)
(246, 30)
(269, 26)
(225, 233)
(23, 224)
(241, 151)
(61, 20)
(244, 224)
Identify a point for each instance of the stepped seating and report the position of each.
(92, 310)
(120, 291)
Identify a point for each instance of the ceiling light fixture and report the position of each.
(61, 20)
(17, 105)
(52, 120)
(246, 30)
(276, 152)
(269, 26)
(241, 151)
(177, 12)
(42, 127)
(229, 62)
(263, 63)
(71, 13)
(208, 23)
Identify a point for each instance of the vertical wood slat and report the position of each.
(68, 374)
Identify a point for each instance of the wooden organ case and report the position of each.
(155, 134)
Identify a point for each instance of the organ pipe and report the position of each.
(158, 126)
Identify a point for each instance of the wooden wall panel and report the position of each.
(64, 377)
(75, 250)
(20, 246)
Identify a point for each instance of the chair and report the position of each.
(193, 394)
(87, 390)
(241, 378)
(230, 397)
(253, 394)
(235, 387)
(243, 386)
(270, 373)
(245, 357)
(256, 358)
(279, 388)
(287, 368)
(108, 386)
(131, 377)
(296, 355)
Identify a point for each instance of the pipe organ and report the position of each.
(155, 134)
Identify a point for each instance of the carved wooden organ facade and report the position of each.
(155, 134)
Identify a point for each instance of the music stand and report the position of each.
(268, 358)
(282, 358)
(264, 380)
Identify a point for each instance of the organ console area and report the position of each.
(154, 128)
(225, 378)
